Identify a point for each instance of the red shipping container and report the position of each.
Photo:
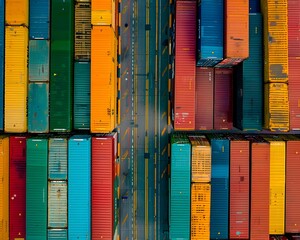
(294, 28)
(185, 65)
(204, 98)
(223, 99)
(260, 189)
(17, 187)
(104, 153)
(292, 214)
(239, 189)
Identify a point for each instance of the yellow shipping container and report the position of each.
(275, 40)
(103, 13)
(16, 78)
(201, 159)
(4, 183)
(276, 107)
(103, 79)
(200, 211)
(17, 12)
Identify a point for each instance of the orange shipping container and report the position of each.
(16, 12)
(103, 79)
(103, 13)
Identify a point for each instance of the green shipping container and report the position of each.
(61, 65)
(36, 188)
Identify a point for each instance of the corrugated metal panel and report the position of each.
(36, 188)
(239, 189)
(276, 107)
(103, 174)
(275, 40)
(4, 187)
(210, 32)
(185, 65)
(38, 107)
(17, 187)
(16, 46)
(223, 99)
(260, 186)
(204, 98)
(103, 79)
(248, 78)
(61, 65)
(57, 204)
(39, 19)
(58, 158)
(180, 215)
(292, 214)
(201, 159)
(39, 60)
(79, 187)
(103, 13)
(57, 234)
(82, 31)
(200, 211)
(16, 12)
(254, 6)
(82, 95)
(2, 42)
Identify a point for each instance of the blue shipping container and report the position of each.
(2, 18)
(79, 184)
(57, 234)
(180, 213)
(39, 18)
(39, 51)
(38, 107)
(254, 6)
(210, 32)
(82, 93)
(58, 159)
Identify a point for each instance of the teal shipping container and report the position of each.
(39, 14)
(82, 95)
(39, 60)
(58, 158)
(36, 188)
(2, 20)
(38, 110)
(180, 215)
(57, 204)
(57, 234)
(61, 65)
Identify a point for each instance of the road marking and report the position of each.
(125, 219)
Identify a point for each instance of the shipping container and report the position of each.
(236, 32)
(200, 211)
(4, 187)
(57, 234)
(103, 13)
(223, 99)
(276, 106)
(201, 159)
(248, 79)
(39, 19)
(17, 187)
(36, 188)
(103, 174)
(79, 187)
(2, 42)
(275, 40)
(39, 60)
(16, 12)
(15, 86)
(292, 204)
(210, 32)
(61, 65)
(82, 95)
(204, 98)
(58, 158)
(239, 188)
(38, 107)
(180, 195)
(82, 31)
(185, 65)
(254, 6)
(57, 204)
(103, 79)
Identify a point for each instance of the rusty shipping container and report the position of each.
(223, 99)
(204, 98)
(185, 65)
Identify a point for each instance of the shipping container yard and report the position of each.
(149, 120)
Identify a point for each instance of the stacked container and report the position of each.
(16, 72)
